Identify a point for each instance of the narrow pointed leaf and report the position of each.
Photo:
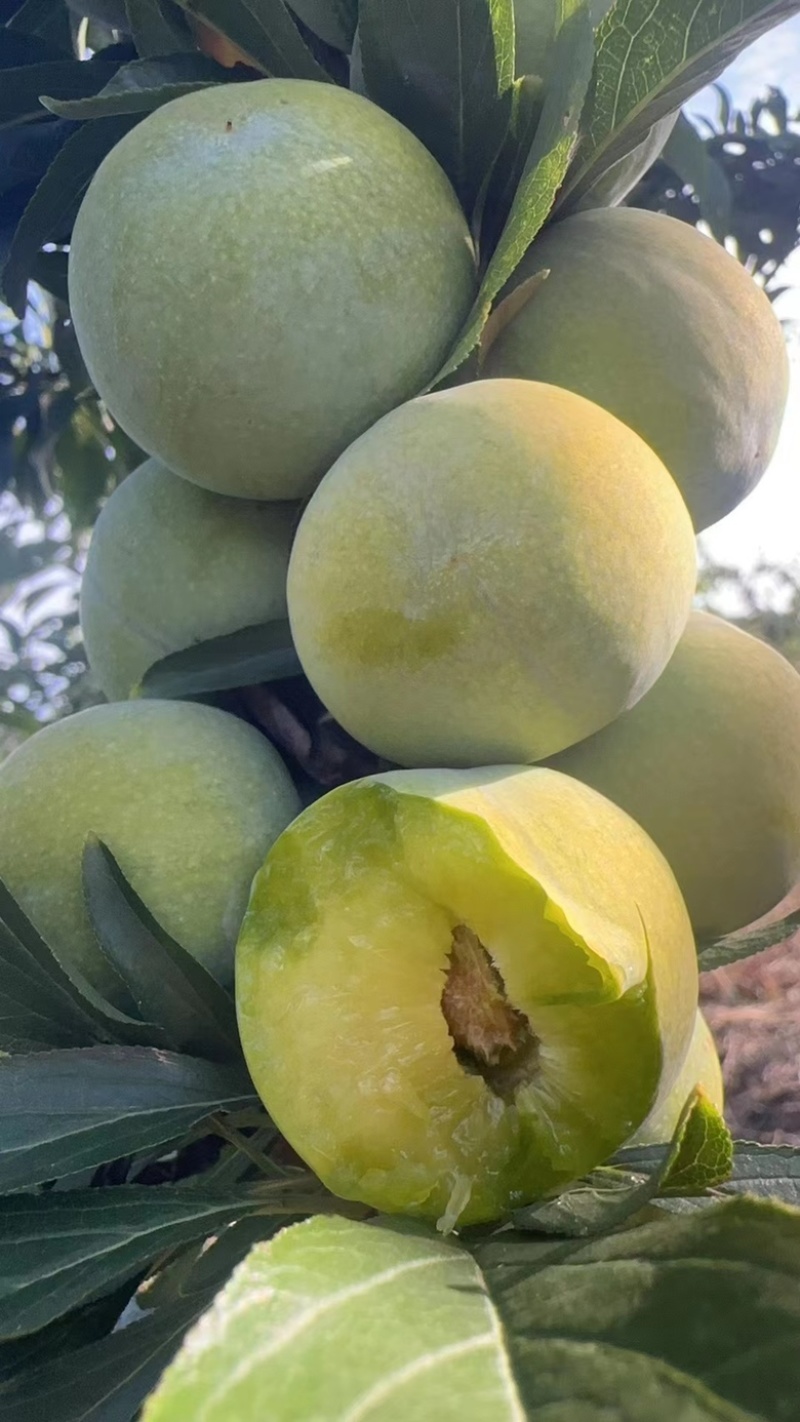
(168, 985)
(158, 27)
(65, 1111)
(244, 658)
(265, 31)
(735, 946)
(689, 157)
(334, 21)
(141, 86)
(21, 88)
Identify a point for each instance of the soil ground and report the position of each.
(753, 1009)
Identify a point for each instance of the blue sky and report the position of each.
(767, 525)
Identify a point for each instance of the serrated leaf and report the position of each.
(705, 1152)
(527, 100)
(736, 946)
(65, 1111)
(168, 985)
(52, 208)
(689, 157)
(652, 55)
(245, 658)
(265, 31)
(443, 70)
(158, 27)
(21, 88)
(62, 1250)
(772, 1172)
(142, 86)
(544, 172)
(614, 184)
(334, 21)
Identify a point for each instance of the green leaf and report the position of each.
(333, 1319)
(614, 184)
(266, 33)
(168, 985)
(65, 1111)
(245, 658)
(702, 1154)
(21, 88)
(49, 269)
(80, 1327)
(773, 1172)
(334, 21)
(143, 85)
(542, 175)
(52, 208)
(527, 100)
(689, 157)
(735, 946)
(651, 56)
(442, 71)
(62, 1250)
(158, 27)
(49, 19)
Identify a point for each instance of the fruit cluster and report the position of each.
(468, 979)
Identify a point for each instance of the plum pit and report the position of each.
(491, 1038)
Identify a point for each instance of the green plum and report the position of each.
(187, 798)
(702, 1069)
(658, 324)
(259, 271)
(171, 564)
(459, 990)
(708, 762)
(488, 575)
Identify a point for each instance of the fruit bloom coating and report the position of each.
(187, 798)
(258, 272)
(171, 564)
(407, 1075)
(700, 1068)
(488, 575)
(659, 325)
(709, 764)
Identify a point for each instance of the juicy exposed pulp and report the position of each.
(421, 1022)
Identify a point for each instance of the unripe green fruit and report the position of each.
(187, 798)
(488, 575)
(258, 272)
(700, 1068)
(459, 990)
(659, 325)
(171, 564)
(709, 764)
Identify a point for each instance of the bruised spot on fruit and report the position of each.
(491, 1037)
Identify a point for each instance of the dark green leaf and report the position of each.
(615, 183)
(82, 1326)
(542, 176)
(772, 1172)
(265, 31)
(48, 19)
(333, 20)
(52, 208)
(244, 658)
(18, 48)
(168, 985)
(736, 946)
(49, 269)
(527, 99)
(652, 55)
(442, 70)
(64, 1111)
(688, 156)
(143, 85)
(21, 88)
(158, 27)
(61, 1250)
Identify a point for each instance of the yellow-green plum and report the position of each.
(488, 575)
(459, 990)
(702, 1069)
(171, 564)
(187, 798)
(709, 763)
(259, 271)
(658, 324)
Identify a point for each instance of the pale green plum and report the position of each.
(700, 1069)
(658, 324)
(187, 798)
(488, 575)
(259, 271)
(171, 564)
(709, 763)
(459, 990)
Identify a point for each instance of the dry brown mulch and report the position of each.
(753, 1008)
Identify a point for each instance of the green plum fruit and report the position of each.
(259, 271)
(658, 324)
(171, 564)
(187, 798)
(701, 1068)
(709, 764)
(459, 990)
(488, 575)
